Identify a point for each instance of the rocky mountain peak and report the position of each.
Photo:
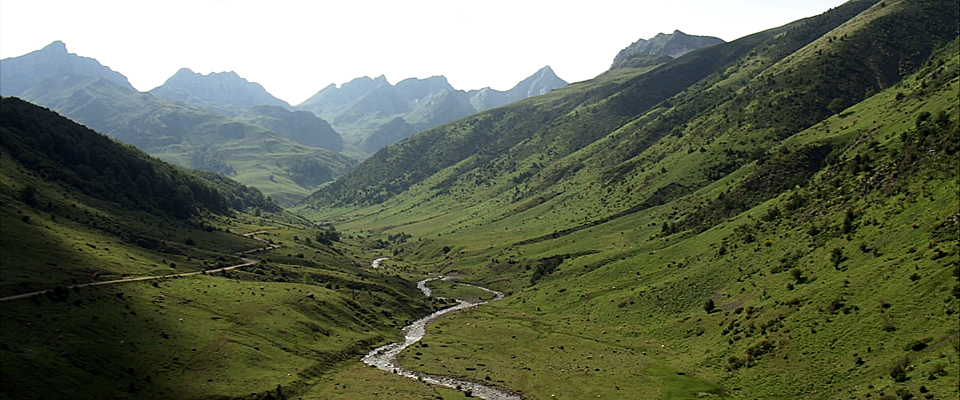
(221, 90)
(661, 48)
(51, 62)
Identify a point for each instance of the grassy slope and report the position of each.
(627, 277)
(641, 292)
(304, 312)
(530, 162)
(219, 336)
(894, 287)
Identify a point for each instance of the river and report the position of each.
(385, 357)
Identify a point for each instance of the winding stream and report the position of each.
(385, 357)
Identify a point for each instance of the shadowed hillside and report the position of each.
(81, 208)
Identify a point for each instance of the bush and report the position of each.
(734, 362)
(709, 306)
(904, 394)
(797, 275)
(837, 257)
(899, 371)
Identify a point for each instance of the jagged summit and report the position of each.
(51, 62)
(661, 48)
(373, 113)
(541, 82)
(221, 90)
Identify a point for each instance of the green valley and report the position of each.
(774, 217)
(782, 226)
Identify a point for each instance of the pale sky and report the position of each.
(295, 48)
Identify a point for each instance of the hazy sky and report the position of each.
(295, 48)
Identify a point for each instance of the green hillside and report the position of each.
(518, 140)
(80, 208)
(774, 217)
(194, 137)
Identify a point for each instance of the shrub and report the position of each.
(904, 394)
(899, 371)
(708, 306)
(734, 362)
(797, 275)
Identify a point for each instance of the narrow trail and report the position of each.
(385, 357)
(246, 263)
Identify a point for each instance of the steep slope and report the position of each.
(660, 49)
(506, 147)
(392, 132)
(278, 327)
(300, 126)
(749, 235)
(843, 284)
(224, 91)
(51, 162)
(22, 73)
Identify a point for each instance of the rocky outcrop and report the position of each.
(659, 49)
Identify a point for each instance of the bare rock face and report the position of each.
(541, 82)
(51, 62)
(659, 49)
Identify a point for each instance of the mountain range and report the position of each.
(188, 135)
(223, 123)
(373, 113)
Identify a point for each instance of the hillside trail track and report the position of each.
(246, 263)
(385, 357)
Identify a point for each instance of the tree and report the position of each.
(328, 236)
(708, 306)
(836, 257)
(836, 106)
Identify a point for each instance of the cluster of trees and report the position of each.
(328, 235)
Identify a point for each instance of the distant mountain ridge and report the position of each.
(366, 110)
(264, 147)
(225, 91)
(660, 49)
(52, 61)
(541, 82)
